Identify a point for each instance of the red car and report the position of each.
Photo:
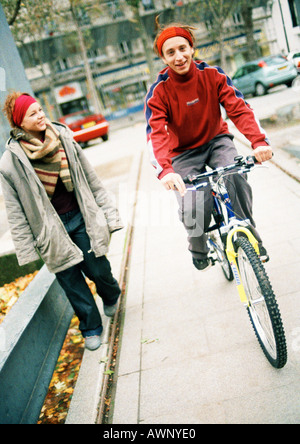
(86, 126)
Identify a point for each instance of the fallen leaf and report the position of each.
(60, 386)
(76, 339)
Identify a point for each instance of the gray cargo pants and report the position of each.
(195, 208)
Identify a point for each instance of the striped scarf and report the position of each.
(48, 158)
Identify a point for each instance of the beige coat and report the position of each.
(36, 228)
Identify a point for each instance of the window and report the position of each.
(209, 24)
(253, 68)
(62, 65)
(240, 73)
(237, 18)
(148, 4)
(125, 47)
(295, 12)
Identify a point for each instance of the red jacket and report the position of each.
(183, 112)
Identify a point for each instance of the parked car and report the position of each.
(259, 76)
(294, 57)
(86, 126)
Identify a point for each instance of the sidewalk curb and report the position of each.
(89, 395)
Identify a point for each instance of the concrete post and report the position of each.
(12, 74)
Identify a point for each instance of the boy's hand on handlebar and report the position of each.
(263, 153)
(173, 181)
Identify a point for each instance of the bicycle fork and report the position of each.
(232, 255)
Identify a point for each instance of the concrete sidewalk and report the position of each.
(188, 354)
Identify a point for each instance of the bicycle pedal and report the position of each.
(264, 259)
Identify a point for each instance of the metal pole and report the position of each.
(284, 28)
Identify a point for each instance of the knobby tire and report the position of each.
(278, 355)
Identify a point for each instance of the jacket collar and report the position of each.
(183, 78)
(14, 147)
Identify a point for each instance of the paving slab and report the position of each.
(188, 352)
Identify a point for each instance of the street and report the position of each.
(276, 98)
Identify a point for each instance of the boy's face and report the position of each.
(178, 54)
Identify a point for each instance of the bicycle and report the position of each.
(235, 248)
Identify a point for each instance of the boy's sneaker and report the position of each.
(202, 264)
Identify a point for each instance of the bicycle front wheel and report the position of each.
(262, 306)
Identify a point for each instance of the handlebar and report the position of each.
(244, 164)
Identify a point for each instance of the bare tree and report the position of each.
(246, 9)
(217, 14)
(13, 9)
(29, 22)
(74, 5)
(33, 21)
(148, 49)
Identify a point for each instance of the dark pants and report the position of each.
(195, 208)
(97, 269)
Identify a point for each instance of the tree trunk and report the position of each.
(223, 63)
(89, 77)
(246, 11)
(145, 40)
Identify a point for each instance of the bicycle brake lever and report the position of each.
(251, 160)
(188, 179)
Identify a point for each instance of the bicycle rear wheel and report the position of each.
(216, 243)
(262, 306)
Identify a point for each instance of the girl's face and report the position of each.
(178, 54)
(34, 119)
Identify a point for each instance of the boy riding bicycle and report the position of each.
(186, 132)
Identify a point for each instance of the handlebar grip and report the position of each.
(252, 159)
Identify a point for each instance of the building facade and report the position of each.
(117, 55)
(286, 14)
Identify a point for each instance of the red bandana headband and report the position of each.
(173, 32)
(22, 104)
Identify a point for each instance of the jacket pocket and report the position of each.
(102, 223)
(54, 247)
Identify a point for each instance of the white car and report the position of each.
(294, 57)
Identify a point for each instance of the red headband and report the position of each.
(173, 31)
(22, 104)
